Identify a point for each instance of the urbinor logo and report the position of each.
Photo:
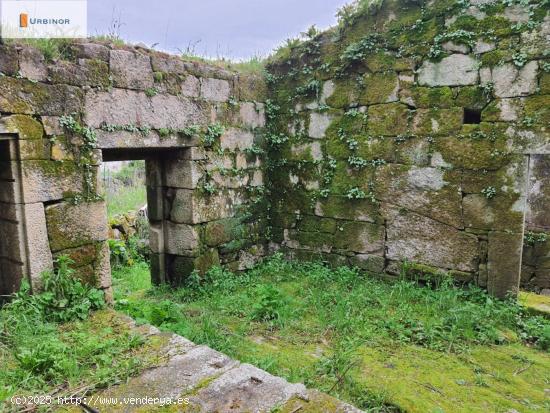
(23, 20)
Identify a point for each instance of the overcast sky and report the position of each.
(232, 28)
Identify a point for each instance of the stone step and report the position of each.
(197, 379)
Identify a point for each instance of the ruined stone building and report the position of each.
(413, 138)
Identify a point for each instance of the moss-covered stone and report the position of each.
(360, 237)
(251, 87)
(222, 231)
(473, 153)
(26, 97)
(34, 149)
(378, 88)
(83, 255)
(377, 148)
(88, 72)
(316, 239)
(437, 121)
(370, 263)
(423, 272)
(45, 180)
(388, 119)
(346, 177)
(428, 97)
(346, 93)
(25, 126)
(537, 109)
(545, 83)
(495, 58)
(380, 62)
(71, 226)
(351, 209)
(316, 224)
(316, 403)
(471, 97)
(535, 303)
(412, 151)
(180, 268)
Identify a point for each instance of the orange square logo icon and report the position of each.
(23, 20)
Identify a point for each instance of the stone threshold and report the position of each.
(205, 380)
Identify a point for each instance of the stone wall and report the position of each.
(197, 125)
(403, 137)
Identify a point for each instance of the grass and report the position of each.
(128, 198)
(125, 189)
(382, 346)
(253, 65)
(63, 341)
(51, 49)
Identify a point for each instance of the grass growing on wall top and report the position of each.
(381, 346)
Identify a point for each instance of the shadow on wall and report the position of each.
(535, 272)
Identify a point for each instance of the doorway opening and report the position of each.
(124, 186)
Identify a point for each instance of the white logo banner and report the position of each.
(44, 19)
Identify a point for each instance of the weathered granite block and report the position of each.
(167, 64)
(428, 191)
(504, 263)
(191, 86)
(155, 203)
(156, 238)
(509, 81)
(360, 237)
(252, 115)
(44, 180)
(124, 107)
(366, 262)
(234, 138)
(158, 268)
(181, 239)
(71, 225)
(216, 90)
(454, 70)
(181, 173)
(87, 72)
(32, 64)
(130, 70)
(37, 243)
(419, 239)
(9, 63)
(193, 207)
(24, 96)
(318, 124)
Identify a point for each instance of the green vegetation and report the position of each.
(254, 65)
(383, 346)
(52, 49)
(213, 132)
(49, 342)
(125, 189)
(128, 198)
